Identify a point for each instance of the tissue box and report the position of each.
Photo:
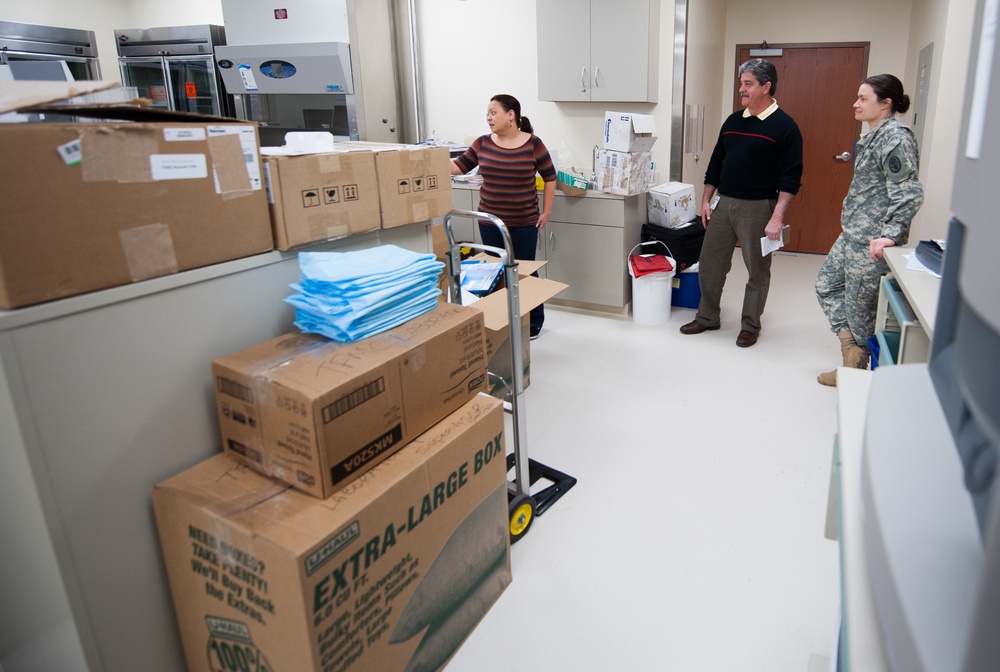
(628, 132)
(623, 173)
(671, 204)
(392, 573)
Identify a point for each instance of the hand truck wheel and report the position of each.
(522, 514)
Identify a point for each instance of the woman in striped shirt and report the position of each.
(508, 159)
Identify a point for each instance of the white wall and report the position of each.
(471, 51)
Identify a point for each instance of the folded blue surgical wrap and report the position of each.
(347, 296)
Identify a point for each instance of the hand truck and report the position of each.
(522, 505)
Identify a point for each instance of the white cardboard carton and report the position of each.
(629, 132)
(671, 204)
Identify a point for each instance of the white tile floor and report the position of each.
(694, 539)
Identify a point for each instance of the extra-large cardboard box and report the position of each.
(324, 196)
(92, 205)
(414, 181)
(391, 573)
(317, 413)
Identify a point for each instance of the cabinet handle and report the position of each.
(552, 241)
(583, 78)
(597, 72)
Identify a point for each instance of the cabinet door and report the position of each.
(578, 254)
(620, 51)
(564, 72)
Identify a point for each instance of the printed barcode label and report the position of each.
(234, 389)
(71, 152)
(353, 399)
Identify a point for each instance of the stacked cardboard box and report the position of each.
(355, 188)
(318, 414)
(92, 205)
(393, 542)
(390, 573)
(625, 162)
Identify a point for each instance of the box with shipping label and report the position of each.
(390, 573)
(92, 205)
(629, 132)
(671, 204)
(317, 413)
(322, 196)
(623, 173)
(414, 181)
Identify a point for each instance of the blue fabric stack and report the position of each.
(347, 296)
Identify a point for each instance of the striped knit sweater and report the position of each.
(508, 189)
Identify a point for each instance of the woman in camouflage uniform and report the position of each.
(884, 196)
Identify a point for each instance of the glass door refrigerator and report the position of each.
(175, 67)
(48, 52)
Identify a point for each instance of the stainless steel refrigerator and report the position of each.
(48, 52)
(175, 67)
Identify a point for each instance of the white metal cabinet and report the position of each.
(598, 51)
(587, 241)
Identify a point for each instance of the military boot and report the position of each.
(854, 355)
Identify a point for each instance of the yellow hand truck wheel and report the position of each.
(522, 513)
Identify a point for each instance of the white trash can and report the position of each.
(652, 288)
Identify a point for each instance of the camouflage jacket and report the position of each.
(885, 193)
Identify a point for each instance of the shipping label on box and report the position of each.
(317, 413)
(390, 573)
(324, 196)
(101, 204)
(629, 132)
(671, 204)
(623, 173)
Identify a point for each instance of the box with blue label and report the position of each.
(686, 291)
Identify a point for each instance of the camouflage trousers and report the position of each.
(847, 289)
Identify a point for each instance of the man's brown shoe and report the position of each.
(695, 327)
(746, 339)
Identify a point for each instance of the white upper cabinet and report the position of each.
(601, 50)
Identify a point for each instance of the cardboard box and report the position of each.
(532, 292)
(671, 204)
(325, 196)
(623, 173)
(391, 573)
(414, 181)
(317, 413)
(93, 205)
(629, 132)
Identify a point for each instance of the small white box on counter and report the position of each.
(629, 132)
(671, 204)
(623, 173)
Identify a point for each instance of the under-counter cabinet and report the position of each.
(587, 241)
(598, 51)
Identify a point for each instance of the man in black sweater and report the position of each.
(755, 170)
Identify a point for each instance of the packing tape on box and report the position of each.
(231, 176)
(117, 153)
(149, 251)
(328, 163)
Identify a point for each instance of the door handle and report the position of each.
(583, 79)
(846, 156)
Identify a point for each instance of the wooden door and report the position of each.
(817, 86)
